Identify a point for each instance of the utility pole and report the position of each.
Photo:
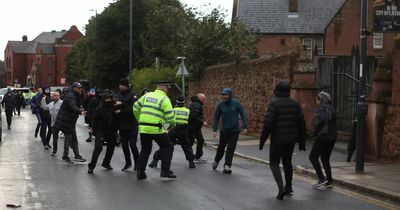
(361, 105)
(182, 72)
(130, 36)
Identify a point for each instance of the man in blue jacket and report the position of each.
(228, 111)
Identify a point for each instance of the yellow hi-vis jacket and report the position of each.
(182, 115)
(152, 111)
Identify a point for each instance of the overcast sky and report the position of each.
(28, 17)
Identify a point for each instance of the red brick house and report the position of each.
(331, 26)
(41, 61)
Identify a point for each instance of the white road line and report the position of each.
(26, 172)
(35, 194)
(28, 177)
(38, 206)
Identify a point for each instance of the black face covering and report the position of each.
(108, 104)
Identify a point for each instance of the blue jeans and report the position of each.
(39, 119)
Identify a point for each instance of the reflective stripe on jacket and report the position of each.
(152, 110)
(182, 115)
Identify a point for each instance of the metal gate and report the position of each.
(339, 77)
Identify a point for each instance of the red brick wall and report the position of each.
(61, 53)
(72, 35)
(273, 43)
(43, 74)
(19, 69)
(344, 32)
(252, 82)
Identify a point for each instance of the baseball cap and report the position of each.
(76, 85)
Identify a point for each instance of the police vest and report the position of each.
(152, 111)
(182, 115)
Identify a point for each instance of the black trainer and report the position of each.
(141, 175)
(191, 164)
(288, 190)
(90, 170)
(48, 145)
(167, 174)
(153, 164)
(67, 160)
(79, 159)
(127, 166)
(89, 140)
(53, 153)
(280, 195)
(319, 184)
(108, 167)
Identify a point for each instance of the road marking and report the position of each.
(26, 172)
(28, 177)
(35, 194)
(31, 185)
(38, 206)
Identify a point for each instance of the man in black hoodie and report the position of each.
(105, 129)
(196, 122)
(284, 120)
(9, 104)
(325, 133)
(126, 122)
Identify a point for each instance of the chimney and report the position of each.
(293, 5)
(24, 38)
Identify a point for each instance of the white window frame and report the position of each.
(378, 40)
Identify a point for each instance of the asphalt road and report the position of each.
(30, 177)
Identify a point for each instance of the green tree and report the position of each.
(76, 62)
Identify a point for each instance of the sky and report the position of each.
(28, 17)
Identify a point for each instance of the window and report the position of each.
(49, 78)
(319, 44)
(378, 40)
(49, 64)
(307, 43)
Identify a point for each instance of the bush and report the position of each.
(147, 78)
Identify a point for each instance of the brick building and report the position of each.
(41, 61)
(330, 26)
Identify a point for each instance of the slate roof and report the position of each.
(23, 47)
(272, 16)
(49, 37)
(45, 48)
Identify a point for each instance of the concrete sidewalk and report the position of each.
(380, 178)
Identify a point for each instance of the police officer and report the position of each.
(152, 111)
(179, 134)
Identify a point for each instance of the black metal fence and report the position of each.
(339, 76)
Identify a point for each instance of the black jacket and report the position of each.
(20, 100)
(126, 120)
(9, 102)
(325, 127)
(104, 121)
(196, 113)
(69, 113)
(45, 114)
(284, 119)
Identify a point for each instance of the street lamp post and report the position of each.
(361, 105)
(182, 72)
(130, 35)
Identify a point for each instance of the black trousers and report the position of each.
(55, 132)
(181, 136)
(323, 149)
(9, 114)
(98, 147)
(128, 140)
(227, 140)
(198, 135)
(277, 153)
(71, 140)
(45, 132)
(18, 108)
(166, 150)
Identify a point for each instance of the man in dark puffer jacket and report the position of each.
(196, 122)
(66, 121)
(284, 120)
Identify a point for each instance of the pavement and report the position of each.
(380, 179)
(30, 177)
